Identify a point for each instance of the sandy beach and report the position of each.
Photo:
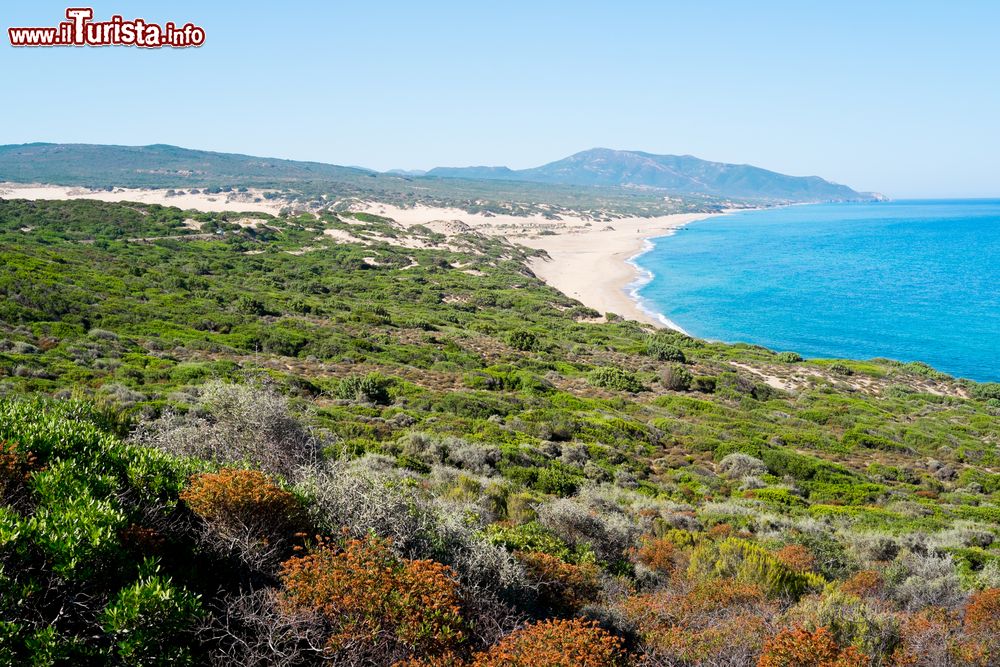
(594, 265)
(587, 260)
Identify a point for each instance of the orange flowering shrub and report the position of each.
(656, 553)
(982, 613)
(246, 512)
(369, 596)
(244, 496)
(866, 583)
(722, 622)
(796, 647)
(796, 557)
(562, 587)
(556, 643)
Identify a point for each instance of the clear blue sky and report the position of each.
(900, 97)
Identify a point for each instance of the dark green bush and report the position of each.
(371, 388)
(661, 350)
(611, 377)
(703, 383)
(522, 340)
(986, 391)
(841, 368)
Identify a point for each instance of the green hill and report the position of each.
(680, 174)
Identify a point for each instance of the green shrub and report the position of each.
(783, 462)
(371, 388)
(676, 378)
(557, 482)
(612, 377)
(847, 494)
(522, 340)
(986, 391)
(859, 438)
(249, 305)
(703, 383)
(528, 537)
(744, 561)
(152, 622)
(788, 357)
(661, 350)
(778, 496)
(73, 524)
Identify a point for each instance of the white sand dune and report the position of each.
(225, 201)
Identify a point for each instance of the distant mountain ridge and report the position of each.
(158, 165)
(621, 179)
(673, 173)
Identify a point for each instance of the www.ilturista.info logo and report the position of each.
(81, 30)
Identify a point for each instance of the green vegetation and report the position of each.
(215, 451)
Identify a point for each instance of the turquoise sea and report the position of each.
(905, 280)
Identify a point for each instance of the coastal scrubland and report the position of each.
(326, 438)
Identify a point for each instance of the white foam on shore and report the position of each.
(644, 277)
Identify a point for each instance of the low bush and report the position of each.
(522, 340)
(563, 588)
(721, 622)
(661, 350)
(611, 377)
(796, 557)
(982, 613)
(851, 620)
(703, 383)
(657, 553)
(556, 643)
(676, 378)
(247, 425)
(245, 511)
(153, 622)
(797, 647)
(986, 391)
(607, 535)
(738, 466)
(922, 580)
(378, 607)
(371, 388)
(745, 561)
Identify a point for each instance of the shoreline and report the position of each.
(599, 268)
(644, 277)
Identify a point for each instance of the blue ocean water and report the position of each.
(905, 280)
